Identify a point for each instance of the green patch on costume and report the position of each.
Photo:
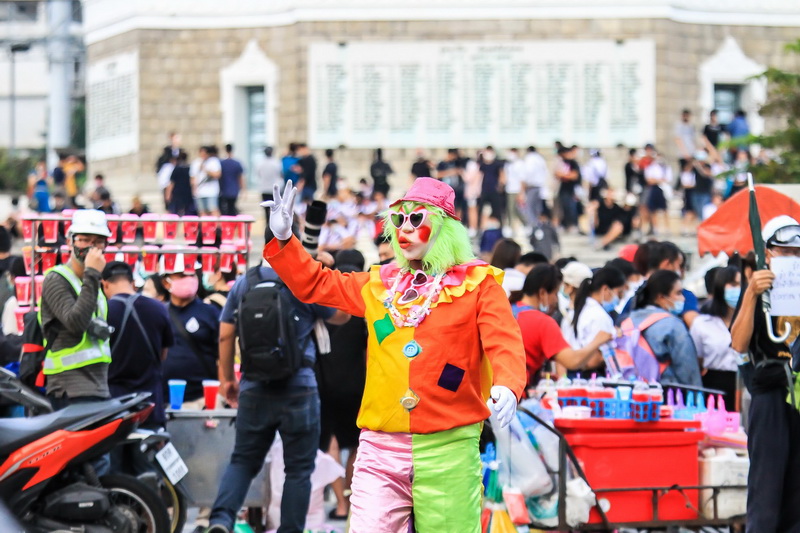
(447, 480)
(383, 327)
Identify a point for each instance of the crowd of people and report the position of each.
(569, 314)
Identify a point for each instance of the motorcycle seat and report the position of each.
(16, 432)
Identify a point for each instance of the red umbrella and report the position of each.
(728, 230)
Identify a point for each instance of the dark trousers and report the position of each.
(569, 209)
(227, 206)
(262, 412)
(496, 200)
(773, 485)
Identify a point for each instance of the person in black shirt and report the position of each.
(330, 175)
(634, 175)
(492, 186)
(568, 173)
(713, 130)
(380, 171)
(306, 168)
(422, 167)
(773, 441)
(179, 194)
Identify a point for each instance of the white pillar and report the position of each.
(60, 57)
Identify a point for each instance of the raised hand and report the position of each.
(281, 211)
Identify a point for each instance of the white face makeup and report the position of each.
(413, 231)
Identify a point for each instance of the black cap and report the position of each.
(117, 268)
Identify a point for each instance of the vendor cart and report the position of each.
(644, 475)
(205, 441)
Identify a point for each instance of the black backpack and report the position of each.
(266, 322)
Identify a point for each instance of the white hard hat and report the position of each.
(783, 231)
(89, 221)
(574, 273)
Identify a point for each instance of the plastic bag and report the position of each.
(519, 463)
(515, 503)
(501, 522)
(545, 441)
(580, 500)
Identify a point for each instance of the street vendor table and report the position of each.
(205, 441)
(619, 457)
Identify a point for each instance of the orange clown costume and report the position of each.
(438, 341)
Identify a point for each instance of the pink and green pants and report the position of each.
(436, 477)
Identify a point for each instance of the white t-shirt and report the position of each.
(592, 320)
(535, 170)
(207, 187)
(164, 175)
(595, 170)
(713, 342)
(515, 174)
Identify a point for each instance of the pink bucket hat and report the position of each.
(431, 192)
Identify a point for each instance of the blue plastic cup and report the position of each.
(177, 387)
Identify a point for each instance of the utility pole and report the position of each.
(12, 133)
(59, 54)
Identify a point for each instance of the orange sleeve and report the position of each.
(500, 337)
(311, 283)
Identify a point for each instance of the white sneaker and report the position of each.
(472, 233)
(507, 232)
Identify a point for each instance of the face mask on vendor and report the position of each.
(413, 230)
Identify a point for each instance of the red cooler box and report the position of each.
(617, 459)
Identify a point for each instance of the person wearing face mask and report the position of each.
(773, 433)
(597, 297)
(574, 273)
(541, 335)
(73, 316)
(668, 337)
(712, 337)
(217, 286)
(195, 324)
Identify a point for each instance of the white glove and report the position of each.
(281, 210)
(504, 403)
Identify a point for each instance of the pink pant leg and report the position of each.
(381, 501)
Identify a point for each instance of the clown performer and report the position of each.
(442, 340)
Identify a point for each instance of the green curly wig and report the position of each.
(451, 245)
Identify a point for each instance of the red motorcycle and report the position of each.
(47, 479)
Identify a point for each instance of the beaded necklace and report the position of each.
(417, 313)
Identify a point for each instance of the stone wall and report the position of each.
(180, 86)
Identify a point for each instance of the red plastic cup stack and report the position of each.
(130, 254)
(227, 253)
(189, 259)
(242, 221)
(48, 259)
(64, 254)
(129, 223)
(50, 228)
(208, 227)
(110, 253)
(19, 314)
(39, 282)
(150, 259)
(209, 260)
(228, 224)
(27, 255)
(191, 228)
(170, 227)
(150, 226)
(22, 288)
(27, 229)
(113, 226)
(169, 257)
(67, 214)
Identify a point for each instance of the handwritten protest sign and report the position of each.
(785, 294)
